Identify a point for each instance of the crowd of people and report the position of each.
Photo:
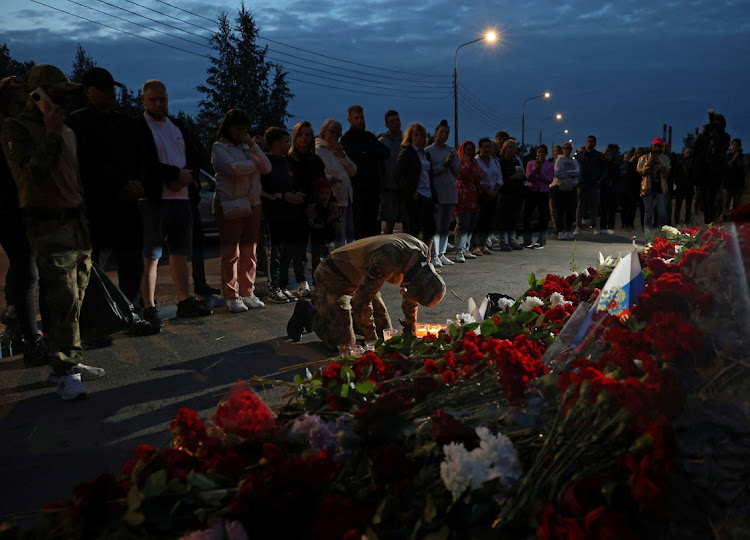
(96, 185)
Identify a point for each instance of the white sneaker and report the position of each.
(86, 373)
(436, 262)
(446, 260)
(70, 387)
(577, 231)
(304, 290)
(460, 257)
(236, 305)
(469, 255)
(253, 302)
(597, 231)
(609, 231)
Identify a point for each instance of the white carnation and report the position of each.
(557, 299)
(529, 303)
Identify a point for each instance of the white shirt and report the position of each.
(170, 147)
(493, 176)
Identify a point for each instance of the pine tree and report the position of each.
(82, 63)
(240, 77)
(10, 66)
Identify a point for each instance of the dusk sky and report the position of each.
(615, 70)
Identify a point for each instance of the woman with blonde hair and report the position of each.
(238, 163)
(413, 176)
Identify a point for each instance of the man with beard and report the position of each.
(41, 153)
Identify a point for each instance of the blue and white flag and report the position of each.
(622, 289)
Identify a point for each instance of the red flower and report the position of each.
(332, 372)
(431, 368)
(391, 466)
(662, 248)
(517, 364)
(144, 451)
(446, 429)
(450, 360)
(188, 432)
(449, 377)
(245, 415)
(369, 366)
(671, 336)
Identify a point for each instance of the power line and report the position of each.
(311, 52)
(365, 92)
(404, 88)
(149, 19)
(120, 30)
(369, 85)
(413, 83)
(486, 112)
(137, 24)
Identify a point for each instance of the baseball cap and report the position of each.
(49, 76)
(100, 78)
(658, 140)
(426, 286)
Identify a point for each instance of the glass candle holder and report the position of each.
(357, 351)
(420, 330)
(433, 329)
(344, 351)
(369, 345)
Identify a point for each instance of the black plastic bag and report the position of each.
(493, 306)
(301, 320)
(105, 309)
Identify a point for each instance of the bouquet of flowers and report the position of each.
(588, 408)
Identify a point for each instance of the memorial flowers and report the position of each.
(567, 414)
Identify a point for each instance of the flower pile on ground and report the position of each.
(480, 431)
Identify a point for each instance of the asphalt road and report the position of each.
(48, 446)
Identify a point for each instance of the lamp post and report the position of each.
(523, 116)
(558, 116)
(565, 131)
(490, 37)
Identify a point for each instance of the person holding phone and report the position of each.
(41, 154)
(540, 173)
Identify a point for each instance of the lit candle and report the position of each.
(420, 330)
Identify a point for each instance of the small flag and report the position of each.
(622, 289)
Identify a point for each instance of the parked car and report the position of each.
(205, 206)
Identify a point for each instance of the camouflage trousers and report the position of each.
(334, 318)
(62, 250)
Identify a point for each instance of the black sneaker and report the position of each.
(190, 307)
(515, 246)
(139, 326)
(538, 246)
(278, 297)
(37, 352)
(206, 290)
(151, 316)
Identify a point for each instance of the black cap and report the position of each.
(99, 78)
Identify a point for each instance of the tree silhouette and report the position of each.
(240, 77)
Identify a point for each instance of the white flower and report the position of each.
(585, 272)
(670, 231)
(495, 458)
(529, 303)
(604, 264)
(464, 318)
(557, 299)
(505, 304)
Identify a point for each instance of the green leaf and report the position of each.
(532, 279)
(316, 383)
(347, 374)
(488, 327)
(155, 484)
(201, 481)
(365, 387)
(134, 519)
(298, 380)
(214, 497)
(344, 390)
(135, 498)
(430, 510)
(525, 317)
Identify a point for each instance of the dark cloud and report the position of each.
(617, 70)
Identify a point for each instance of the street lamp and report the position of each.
(523, 116)
(558, 116)
(489, 37)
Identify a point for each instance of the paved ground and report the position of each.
(48, 445)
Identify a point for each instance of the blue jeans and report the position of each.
(656, 211)
(465, 224)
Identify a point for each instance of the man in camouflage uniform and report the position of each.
(41, 153)
(348, 281)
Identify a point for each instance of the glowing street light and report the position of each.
(546, 95)
(489, 37)
(558, 116)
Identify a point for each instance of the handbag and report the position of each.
(236, 208)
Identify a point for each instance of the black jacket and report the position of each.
(408, 172)
(155, 174)
(365, 150)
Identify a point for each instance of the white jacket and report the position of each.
(237, 173)
(339, 171)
